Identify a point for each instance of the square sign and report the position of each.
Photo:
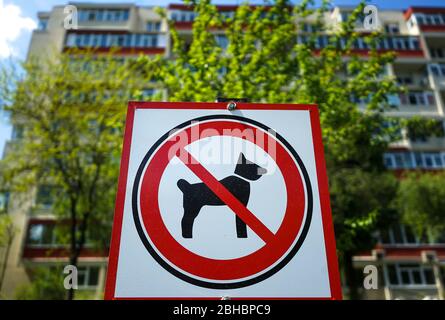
(216, 203)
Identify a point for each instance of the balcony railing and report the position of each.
(415, 160)
(431, 22)
(407, 44)
(103, 15)
(107, 40)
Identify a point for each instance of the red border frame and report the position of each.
(328, 228)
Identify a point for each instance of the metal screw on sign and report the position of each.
(231, 106)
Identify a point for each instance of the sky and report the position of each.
(19, 17)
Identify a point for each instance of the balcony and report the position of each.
(123, 42)
(415, 103)
(404, 46)
(42, 242)
(432, 22)
(95, 17)
(427, 20)
(406, 160)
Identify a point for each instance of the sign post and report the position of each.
(218, 203)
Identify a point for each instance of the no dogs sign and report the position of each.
(215, 203)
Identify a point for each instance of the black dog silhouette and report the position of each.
(197, 195)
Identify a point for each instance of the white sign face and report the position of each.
(214, 203)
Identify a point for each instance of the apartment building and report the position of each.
(410, 267)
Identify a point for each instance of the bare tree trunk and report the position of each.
(351, 276)
(73, 244)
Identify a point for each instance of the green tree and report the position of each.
(362, 203)
(71, 108)
(47, 284)
(421, 201)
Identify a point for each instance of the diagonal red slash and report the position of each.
(226, 196)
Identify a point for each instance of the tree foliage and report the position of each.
(421, 201)
(71, 110)
(47, 284)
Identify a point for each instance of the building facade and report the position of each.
(409, 267)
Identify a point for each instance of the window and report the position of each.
(115, 15)
(399, 234)
(96, 40)
(147, 40)
(88, 276)
(118, 40)
(222, 41)
(405, 80)
(4, 201)
(400, 43)
(308, 27)
(432, 160)
(392, 273)
(437, 70)
(41, 234)
(43, 24)
(417, 98)
(17, 132)
(430, 19)
(398, 160)
(344, 16)
(410, 274)
(183, 16)
(392, 28)
(44, 196)
(147, 93)
(231, 14)
(409, 160)
(394, 100)
(153, 26)
(389, 161)
(437, 53)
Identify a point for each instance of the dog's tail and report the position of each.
(183, 185)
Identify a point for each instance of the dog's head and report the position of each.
(248, 170)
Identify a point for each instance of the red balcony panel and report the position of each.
(183, 25)
(432, 28)
(188, 25)
(42, 221)
(179, 6)
(220, 8)
(185, 7)
(414, 252)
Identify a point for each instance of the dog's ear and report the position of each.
(242, 159)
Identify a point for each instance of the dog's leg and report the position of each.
(241, 228)
(190, 213)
